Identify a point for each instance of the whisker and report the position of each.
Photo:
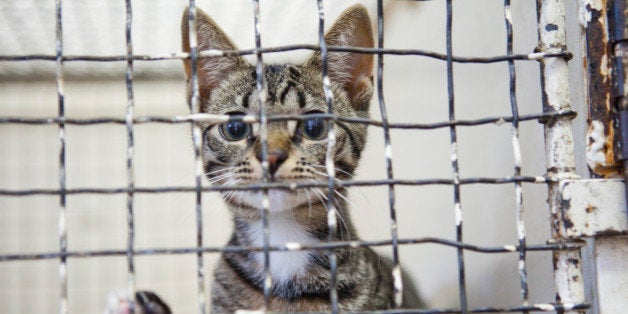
(218, 178)
(220, 170)
(340, 218)
(323, 175)
(336, 168)
(322, 198)
(366, 201)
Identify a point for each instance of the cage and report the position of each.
(494, 182)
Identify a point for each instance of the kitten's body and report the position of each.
(302, 284)
(301, 280)
(297, 153)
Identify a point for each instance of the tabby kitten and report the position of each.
(296, 153)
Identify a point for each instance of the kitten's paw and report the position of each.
(147, 302)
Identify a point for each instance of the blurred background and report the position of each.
(415, 91)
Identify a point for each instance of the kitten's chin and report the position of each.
(278, 200)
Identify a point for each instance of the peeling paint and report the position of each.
(582, 217)
(545, 307)
(584, 15)
(551, 27)
(600, 154)
(596, 145)
(568, 267)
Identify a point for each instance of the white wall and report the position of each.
(415, 91)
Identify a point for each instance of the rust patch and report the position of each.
(600, 87)
(590, 209)
(601, 155)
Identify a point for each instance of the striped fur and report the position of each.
(300, 280)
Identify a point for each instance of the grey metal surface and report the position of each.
(593, 207)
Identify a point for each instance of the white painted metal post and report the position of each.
(559, 148)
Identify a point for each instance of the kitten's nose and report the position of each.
(275, 159)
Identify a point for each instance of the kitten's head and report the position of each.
(296, 149)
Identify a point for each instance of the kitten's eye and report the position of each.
(235, 130)
(314, 129)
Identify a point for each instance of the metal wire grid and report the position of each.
(198, 164)
(196, 117)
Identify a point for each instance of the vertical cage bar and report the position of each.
(454, 160)
(559, 151)
(261, 98)
(63, 245)
(198, 165)
(130, 254)
(396, 272)
(516, 148)
(329, 158)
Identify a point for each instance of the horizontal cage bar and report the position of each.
(228, 53)
(217, 119)
(292, 247)
(287, 186)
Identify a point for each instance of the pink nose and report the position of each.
(275, 158)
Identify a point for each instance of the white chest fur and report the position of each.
(283, 228)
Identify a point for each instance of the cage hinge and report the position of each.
(593, 207)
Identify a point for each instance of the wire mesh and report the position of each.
(332, 222)
(259, 84)
(517, 156)
(198, 164)
(63, 245)
(129, 156)
(196, 117)
(454, 159)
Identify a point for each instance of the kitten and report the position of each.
(296, 153)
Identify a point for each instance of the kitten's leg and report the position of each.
(147, 302)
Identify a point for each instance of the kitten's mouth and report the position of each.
(298, 189)
(280, 200)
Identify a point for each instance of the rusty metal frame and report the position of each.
(602, 138)
(606, 63)
(597, 207)
(619, 43)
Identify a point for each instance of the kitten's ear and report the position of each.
(352, 70)
(213, 70)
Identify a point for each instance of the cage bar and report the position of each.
(63, 243)
(516, 147)
(396, 271)
(454, 159)
(218, 119)
(263, 131)
(332, 220)
(285, 186)
(559, 151)
(212, 53)
(288, 248)
(129, 159)
(198, 164)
